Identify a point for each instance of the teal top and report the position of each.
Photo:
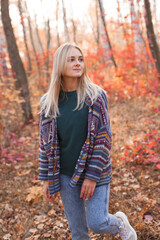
(72, 129)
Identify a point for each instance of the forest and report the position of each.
(122, 53)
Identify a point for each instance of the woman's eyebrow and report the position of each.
(74, 56)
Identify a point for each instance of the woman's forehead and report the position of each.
(74, 52)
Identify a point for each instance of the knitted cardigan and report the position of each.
(94, 160)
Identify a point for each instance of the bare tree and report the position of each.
(24, 35)
(74, 30)
(3, 64)
(139, 43)
(38, 36)
(106, 41)
(48, 36)
(121, 22)
(32, 41)
(57, 9)
(151, 36)
(65, 23)
(16, 62)
(97, 37)
(74, 27)
(156, 22)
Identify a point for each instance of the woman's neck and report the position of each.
(70, 85)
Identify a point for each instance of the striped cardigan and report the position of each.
(94, 160)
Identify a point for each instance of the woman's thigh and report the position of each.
(98, 218)
(74, 207)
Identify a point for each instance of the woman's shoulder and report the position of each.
(102, 95)
(43, 110)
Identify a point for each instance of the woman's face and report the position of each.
(74, 65)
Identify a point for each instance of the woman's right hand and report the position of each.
(47, 196)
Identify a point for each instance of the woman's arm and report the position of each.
(102, 144)
(43, 158)
(101, 152)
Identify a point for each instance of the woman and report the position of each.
(75, 143)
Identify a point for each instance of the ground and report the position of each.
(24, 214)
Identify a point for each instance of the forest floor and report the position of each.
(24, 214)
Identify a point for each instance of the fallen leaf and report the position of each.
(33, 230)
(7, 236)
(52, 212)
(23, 172)
(34, 192)
(47, 235)
(148, 217)
(40, 226)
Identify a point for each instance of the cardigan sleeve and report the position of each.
(100, 158)
(43, 158)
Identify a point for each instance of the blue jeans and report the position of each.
(95, 216)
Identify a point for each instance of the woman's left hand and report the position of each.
(87, 188)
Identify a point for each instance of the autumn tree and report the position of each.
(3, 65)
(48, 36)
(106, 41)
(16, 62)
(24, 35)
(65, 23)
(57, 32)
(151, 36)
(139, 43)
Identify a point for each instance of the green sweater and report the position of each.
(72, 129)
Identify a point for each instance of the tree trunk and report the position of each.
(65, 23)
(74, 31)
(97, 26)
(106, 41)
(48, 36)
(156, 21)
(38, 37)
(16, 62)
(3, 64)
(32, 43)
(151, 36)
(58, 39)
(139, 43)
(25, 35)
(120, 22)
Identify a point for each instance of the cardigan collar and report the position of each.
(88, 100)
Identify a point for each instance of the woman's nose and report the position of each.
(77, 62)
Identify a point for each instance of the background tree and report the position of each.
(151, 36)
(48, 37)
(65, 23)
(16, 62)
(25, 35)
(120, 22)
(57, 30)
(38, 35)
(139, 43)
(106, 41)
(4, 69)
(32, 41)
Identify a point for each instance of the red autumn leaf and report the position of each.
(158, 166)
(126, 153)
(138, 148)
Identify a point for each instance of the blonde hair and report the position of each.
(49, 101)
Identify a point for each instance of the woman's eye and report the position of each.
(81, 59)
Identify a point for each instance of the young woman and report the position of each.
(75, 143)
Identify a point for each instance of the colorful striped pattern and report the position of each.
(94, 160)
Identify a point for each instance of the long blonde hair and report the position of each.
(49, 101)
